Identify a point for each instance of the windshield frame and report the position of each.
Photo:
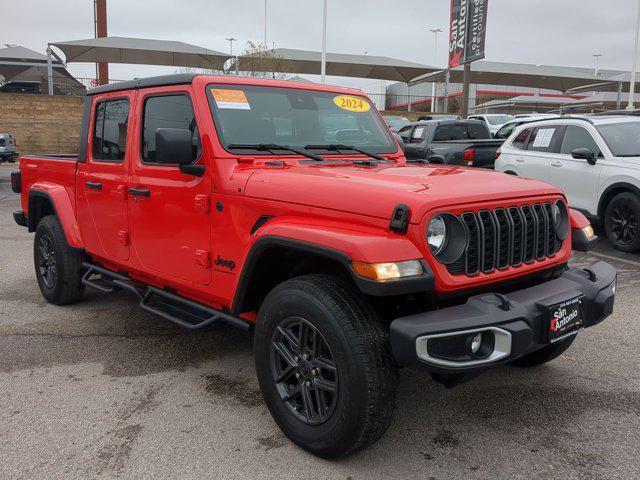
(379, 120)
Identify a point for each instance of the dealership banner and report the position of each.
(468, 31)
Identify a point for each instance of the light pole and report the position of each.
(323, 61)
(596, 58)
(632, 85)
(435, 32)
(235, 60)
(265, 23)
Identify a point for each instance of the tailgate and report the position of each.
(484, 152)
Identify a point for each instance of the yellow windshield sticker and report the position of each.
(353, 104)
(234, 99)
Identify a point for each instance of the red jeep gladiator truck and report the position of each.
(289, 209)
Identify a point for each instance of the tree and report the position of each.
(264, 62)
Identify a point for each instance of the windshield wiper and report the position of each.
(272, 146)
(337, 147)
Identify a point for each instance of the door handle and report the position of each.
(142, 192)
(557, 163)
(94, 185)
(520, 159)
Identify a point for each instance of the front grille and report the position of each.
(506, 237)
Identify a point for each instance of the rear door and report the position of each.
(169, 210)
(577, 178)
(541, 148)
(102, 184)
(415, 148)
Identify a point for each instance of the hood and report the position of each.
(376, 191)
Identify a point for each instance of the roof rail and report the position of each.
(629, 113)
(561, 117)
(160, 80)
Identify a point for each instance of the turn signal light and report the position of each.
(588, 231)
(381, 272)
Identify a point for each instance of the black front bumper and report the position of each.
(522, 316)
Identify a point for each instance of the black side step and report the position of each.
(179, 310)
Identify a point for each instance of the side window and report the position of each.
(521, 139)
(110, 130)
(418, 134)
(405, 133)
(443, 133)
(544, 139)
(167, 111)
(505, 131)
(478, 131)
(578, 137)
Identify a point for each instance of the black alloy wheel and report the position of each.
(624, 224)
(46, 260)
(304, 370)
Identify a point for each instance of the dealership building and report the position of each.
(500, 87)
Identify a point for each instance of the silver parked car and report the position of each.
(8, 148)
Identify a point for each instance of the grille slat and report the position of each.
(506, 237)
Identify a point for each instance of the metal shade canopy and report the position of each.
(289, 60)
(518, 75)
(141, 51)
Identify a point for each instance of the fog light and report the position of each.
(476, 343)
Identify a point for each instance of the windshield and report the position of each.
(498, 119)
(249, 115)
(623, 139)
(397, 122)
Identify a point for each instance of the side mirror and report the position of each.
(173, 145)
(584, 154)
(400, 141)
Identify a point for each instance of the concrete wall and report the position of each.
(41, 123)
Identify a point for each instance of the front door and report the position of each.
(102, 183)
(576, 177)
(170, 218)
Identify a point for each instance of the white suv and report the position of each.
(595, 160)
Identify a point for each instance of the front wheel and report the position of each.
(324, 365)
(621, 222)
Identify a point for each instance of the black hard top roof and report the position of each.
(157, 81)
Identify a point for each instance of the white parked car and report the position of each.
(507, 129)
(493, 120)
(595, 160)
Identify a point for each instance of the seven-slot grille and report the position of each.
(506, 236)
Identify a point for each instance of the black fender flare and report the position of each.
(607, 192)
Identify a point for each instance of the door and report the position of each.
(537, 151)
(103, 182)
(577, 178)
(169, 210)
(415, 148)
(405, 134)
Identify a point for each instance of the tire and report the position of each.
(351, 337)
(545, 354)
(62, 284)
(622, 222)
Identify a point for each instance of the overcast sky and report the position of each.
(552, 32)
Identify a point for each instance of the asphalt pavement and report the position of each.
(102, 390)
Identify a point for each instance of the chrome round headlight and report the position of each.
(560, 216)
(436, 235)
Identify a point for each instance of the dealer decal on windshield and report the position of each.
(234, 99)
(353, 104)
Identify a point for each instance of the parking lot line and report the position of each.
(614, 258)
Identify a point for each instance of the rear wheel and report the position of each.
(57, 265)
(545, 354)
(324, 365)
(621, 222)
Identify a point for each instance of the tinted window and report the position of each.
(521, 139)
(623, 139)
(506, 130)
(544, 139)
(418, 134)
(405, 133)
(477, 131)
(110, 131)
(578, 137)
(461, 131)
(168, 111)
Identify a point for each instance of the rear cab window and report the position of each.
(109, 136)
(461, 131)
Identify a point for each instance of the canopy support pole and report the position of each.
(323, 62)
(632, 85)
(446, 92)
(619, 96)
(409, 97)
(464, 111)
(50, 69)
